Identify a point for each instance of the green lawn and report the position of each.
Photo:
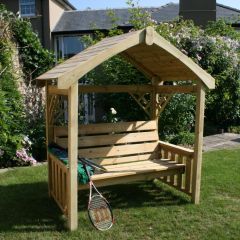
(147, 210)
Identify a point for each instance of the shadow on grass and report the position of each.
(141, 194)
(27, 207)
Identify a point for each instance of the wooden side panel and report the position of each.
(59, 183)
(179, 155)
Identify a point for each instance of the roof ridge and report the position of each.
(227, 7)
(123, 8)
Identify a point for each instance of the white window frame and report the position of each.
(33, 2)
(61, 37)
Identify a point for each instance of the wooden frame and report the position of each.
(174, 165)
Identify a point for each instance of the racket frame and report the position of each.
(91, 187)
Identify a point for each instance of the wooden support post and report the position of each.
(72, 187)
(154, 101)
(49, 136)
(197, 163)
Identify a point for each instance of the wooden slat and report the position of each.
(108, 128)
(102, 140)
(59, 185)
(120, 150)
(165, 156)
(124, 159)
(172, 178)
(179, 176)
(188, 174)
(135, 166)
(56, 181)
(53, 177)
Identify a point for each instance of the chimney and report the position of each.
(200, 11)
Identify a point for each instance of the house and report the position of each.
(73, 24)
(43, 14)
(60, 26)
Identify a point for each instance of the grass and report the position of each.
(146, 210)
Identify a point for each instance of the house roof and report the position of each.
(145, 49)
(66, 4)
(74, 21)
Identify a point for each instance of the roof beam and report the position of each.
(163, 89)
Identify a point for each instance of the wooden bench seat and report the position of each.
(136, 171)
(130, 151)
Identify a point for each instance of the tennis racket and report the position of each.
(99, 210)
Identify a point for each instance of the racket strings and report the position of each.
(100, 213)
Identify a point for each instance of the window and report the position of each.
(27, 7)
(68, 45)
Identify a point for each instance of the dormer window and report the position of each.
(27, 8)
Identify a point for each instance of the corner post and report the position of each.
(49, 136)
(197, 163)
(72, 156)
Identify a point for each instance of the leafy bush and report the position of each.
(184, 138)
(12, 123)
(20, 111)
(234, 129)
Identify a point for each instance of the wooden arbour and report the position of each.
(135, 144)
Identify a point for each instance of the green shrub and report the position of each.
(12, 121)
(234, 129)
(183, 138)
(21, 114)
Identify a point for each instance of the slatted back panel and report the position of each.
(112, 143)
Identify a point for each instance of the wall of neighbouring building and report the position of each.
(56, 10)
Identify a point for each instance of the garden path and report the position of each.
(221, 141)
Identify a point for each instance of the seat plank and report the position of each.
(125, 159)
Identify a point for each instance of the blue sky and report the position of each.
(103, 4)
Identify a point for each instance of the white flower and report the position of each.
(113, 111)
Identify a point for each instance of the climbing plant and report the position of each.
(21, 108)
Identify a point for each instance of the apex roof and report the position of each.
(145, 49)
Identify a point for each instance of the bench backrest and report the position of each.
(112, 143)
